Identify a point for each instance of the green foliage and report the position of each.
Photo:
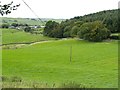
(52, 29)
(108, 17)
(14, 24)
(5, 26)
(67, 31)
(28, 29)
(74, 31)
(70, 27)
(72, 85)
(16, 79)
(97, 32)
(62, 30)
(93, 31)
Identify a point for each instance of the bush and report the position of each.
(27, 29)
(72, 85)
(5, 25)
(93, 31)
(4, 78)
(15, 24)
(16, 79)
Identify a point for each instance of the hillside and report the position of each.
(30, 21)
(93, 27)
(108, 17)
(12, 36)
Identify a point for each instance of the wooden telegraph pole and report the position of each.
(71, 53)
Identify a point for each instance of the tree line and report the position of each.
(93, 27)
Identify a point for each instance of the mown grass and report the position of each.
(17, 36)
(93, 64)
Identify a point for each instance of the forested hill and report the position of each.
(108, 17)
(92, 26)
(98, 15)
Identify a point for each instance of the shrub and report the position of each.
(4, 78)
(28, 29)
(5, 25)
(72, 85)
(16, 79)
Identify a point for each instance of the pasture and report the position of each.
(19, 36)
(30, 21)
(92, 65)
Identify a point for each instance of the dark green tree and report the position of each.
(5, 25)
(74, 31)
(52, 29)
(67, 30)
(28, 29)
(15, 24)
(93, 31)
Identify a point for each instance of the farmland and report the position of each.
(92, 65)
(17, 36)
(83, 50)
(29, 21)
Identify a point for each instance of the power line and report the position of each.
(33, 11)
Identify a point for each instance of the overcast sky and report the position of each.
(60, 8)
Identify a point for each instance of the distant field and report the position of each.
(93, 64)
(16, 36)
(115, 34)
(30, 21)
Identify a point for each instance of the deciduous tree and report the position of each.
(93, 31)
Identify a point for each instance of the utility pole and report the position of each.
(71, 53)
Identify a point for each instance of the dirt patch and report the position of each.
(14, 46)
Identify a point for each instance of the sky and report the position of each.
(60, 9)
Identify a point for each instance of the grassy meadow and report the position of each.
(92, 65)
(18, 36)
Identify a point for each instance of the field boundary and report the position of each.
(23, 43)
(35, 42)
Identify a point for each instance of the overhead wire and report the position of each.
(33, 12)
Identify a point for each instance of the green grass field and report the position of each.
(92, 65)
(16, 36)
